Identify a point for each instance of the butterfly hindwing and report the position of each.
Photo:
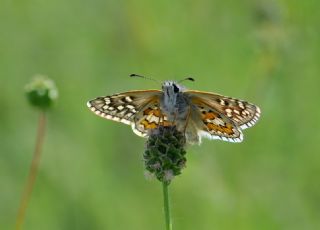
(215, 125)
(150, 117)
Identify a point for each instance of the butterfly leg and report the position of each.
(173, 121)
(161, 119)
(187, 120)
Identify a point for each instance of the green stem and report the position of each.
(33, 171)
(166, 206)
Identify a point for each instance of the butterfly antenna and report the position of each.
(148, 78)
(187, 79)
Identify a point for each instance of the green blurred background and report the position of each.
(91, 174)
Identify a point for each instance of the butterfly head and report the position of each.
(171, 91)
(171, 88)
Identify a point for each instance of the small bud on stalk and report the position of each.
(41, 92)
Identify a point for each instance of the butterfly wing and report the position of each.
(150, 117)
(243, 114)
(212, 124)
(140, 109)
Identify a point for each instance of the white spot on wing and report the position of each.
(120, 107)
(130, 106)
(128, 99)
(218, 121)
(241, 105)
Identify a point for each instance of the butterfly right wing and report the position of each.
(150, 117)
(123, 107)
(140, 109)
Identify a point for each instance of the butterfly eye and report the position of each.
(175, 89)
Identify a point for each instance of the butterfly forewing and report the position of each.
(123, 107)
(242, 113)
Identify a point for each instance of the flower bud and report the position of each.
(41, 92)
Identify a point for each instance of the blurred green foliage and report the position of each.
(91, 174)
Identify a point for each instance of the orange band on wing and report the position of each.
(148, 125)
(223, 129)
(149, 111)
(209, 115)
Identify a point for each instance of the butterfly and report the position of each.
(195, 113)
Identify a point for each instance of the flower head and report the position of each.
(164, 156)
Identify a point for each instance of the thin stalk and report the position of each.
(33, 171)
(166, 206)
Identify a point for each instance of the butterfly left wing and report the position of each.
(242, 113)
